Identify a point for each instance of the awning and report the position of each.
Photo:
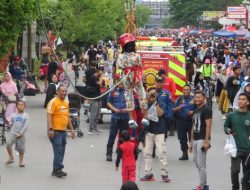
(224, 33)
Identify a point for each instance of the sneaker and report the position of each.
(224, 117)
(62, 173)
(165, 178)
(149, 177)
(91, 132)
(184, 156)
(109, 157)
(97, 132)
(58, 173)
(198, 188)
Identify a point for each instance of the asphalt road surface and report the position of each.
(86, 165)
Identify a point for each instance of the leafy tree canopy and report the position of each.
(183, 12)
(14, 16)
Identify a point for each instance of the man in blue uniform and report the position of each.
(119, 118)
(164, 97)
(184, 108)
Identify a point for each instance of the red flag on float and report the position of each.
(52, 39)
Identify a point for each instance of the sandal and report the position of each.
(9, 162)
(21, 165)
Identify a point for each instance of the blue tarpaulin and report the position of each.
(194, 32)
(247, 36)
(224, 33)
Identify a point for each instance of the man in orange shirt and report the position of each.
(58, 120)
(170, 86)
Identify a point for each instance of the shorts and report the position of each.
(19, 142)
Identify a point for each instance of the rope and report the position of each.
(107, 92)
(53, 52)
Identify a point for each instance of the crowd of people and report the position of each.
(218, 71)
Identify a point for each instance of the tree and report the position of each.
(81, 21)
(184, 12)
(142, 15)
(14, 16)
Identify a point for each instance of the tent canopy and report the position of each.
(247, 35)
(224, 33)
(241, 32)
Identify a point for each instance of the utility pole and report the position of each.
(246, 4)
(29, 48)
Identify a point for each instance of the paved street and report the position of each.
(86, 165)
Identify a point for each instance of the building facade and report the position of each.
(159, 10)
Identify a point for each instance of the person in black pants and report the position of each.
(184, 108)
(238, 124)
(119, 118)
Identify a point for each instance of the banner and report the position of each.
(236, 12)
(212, 15)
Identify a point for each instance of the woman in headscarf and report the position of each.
(51, 90)
(9, 89)
(200, 83)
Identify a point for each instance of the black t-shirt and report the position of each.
(92, 55)
(199, 121)
(89, 73)
(53, 66)
(93, 89)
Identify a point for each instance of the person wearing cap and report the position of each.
(184, 108)
(130, 63)
(165, 98)
(169, 83)
(154, 134)
(207, 69)
(119, 117)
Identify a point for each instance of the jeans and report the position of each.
(200, 161)
(59, 144)
(184, 128)
(241, 158)
(116, 125)
(94, 109)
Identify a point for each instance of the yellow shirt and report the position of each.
(59, 109)
(110, 54)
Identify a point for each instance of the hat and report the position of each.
(126, 38)
(207, 61)
(161, 72)
(159, 79)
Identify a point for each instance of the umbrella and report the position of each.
(224, 33)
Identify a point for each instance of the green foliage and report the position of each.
(84, 21)
(183, 12)
(14, 16)
(142, 15)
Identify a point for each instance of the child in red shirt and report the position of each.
(127, 152)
